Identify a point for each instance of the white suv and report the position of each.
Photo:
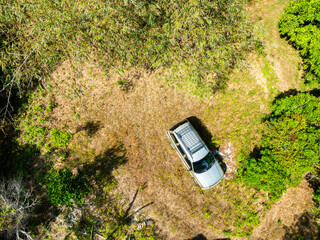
(196, 156)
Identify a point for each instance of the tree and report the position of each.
(16, 205)
(65, 189)
(300, 25)
(290, 145)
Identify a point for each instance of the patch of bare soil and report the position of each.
(288, 218)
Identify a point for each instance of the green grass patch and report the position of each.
(34, 125)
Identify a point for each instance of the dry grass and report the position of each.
(289, 216)
(135, 108)
(284, 61)
(138, 117)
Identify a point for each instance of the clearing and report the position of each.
(135, 108)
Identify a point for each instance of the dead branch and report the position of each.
(17, 203)
(5, 111)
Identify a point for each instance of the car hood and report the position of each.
(211, 177)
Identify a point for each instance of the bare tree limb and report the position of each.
(16, 204)
(5, 111)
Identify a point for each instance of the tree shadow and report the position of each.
(198, 237)
(313, 180)
(202, 237)
(290, 92)
(90, 127)
(126, 218)
(315, 92)
(100, 169)
(207, 138)
(293, 92)
(24, 161)
(256, 153)
(304, 228)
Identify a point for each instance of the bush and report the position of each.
(33, 122)
(59, 139)
(65, 189)
(300, 25)
(290, 145)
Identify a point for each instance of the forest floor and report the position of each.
(135, 108)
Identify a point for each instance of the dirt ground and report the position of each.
(288, 218)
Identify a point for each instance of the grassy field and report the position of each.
(101, 118)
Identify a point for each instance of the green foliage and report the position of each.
(35, 129)
(246, 219)
(245, 214)
(31, 122)
(300, 25)
(316, 199)
(65, 189)
(5, 217)
(59, 139)
(194, 37)
(290, 146)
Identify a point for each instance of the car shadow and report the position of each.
(207, 138)
(203, 132)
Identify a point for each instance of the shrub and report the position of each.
(59, 139)
(65, 189)
(300, 25)
(33, 123)
(290, 145)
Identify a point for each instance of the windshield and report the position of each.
(204, 164)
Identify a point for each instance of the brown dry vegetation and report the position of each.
(135, 108)
(138, 117)
(288, 218)
(278, 65)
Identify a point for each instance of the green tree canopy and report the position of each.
(290, 145)
(300, 24)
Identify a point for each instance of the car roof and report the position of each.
(190, 141)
